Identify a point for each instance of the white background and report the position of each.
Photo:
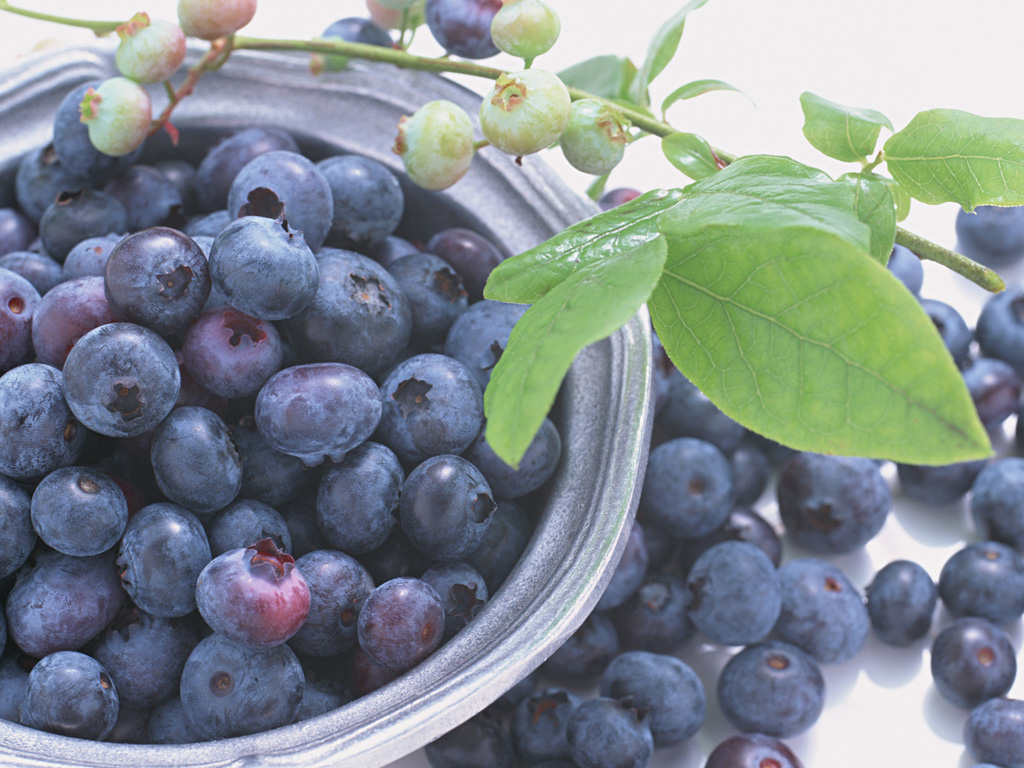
(897, 56)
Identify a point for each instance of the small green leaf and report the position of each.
(845, 133)
(945, 155)
(592, 303)
(660, 51)
(691, 154)
(874, 205)
(606, 76)
(694, 89)
(770, 308)
(900, 197)
(532, 274)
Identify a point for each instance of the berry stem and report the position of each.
(926, 249)
(99, 27)
(218, 53)
(478, 145)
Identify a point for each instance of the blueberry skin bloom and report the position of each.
(772, 688)
(432, 406)
(318, 410)
(663, 685)
(687, 490)
(1000, 328)
(536, 466)
(984, 579)
(822, 612)
(163, 550)
(446, 507)
(16, 529)
(195, 461)
(79, 511)
(402, 622)
(121, 379)
(539, 722)
(38, 433)
(463, 27)
(436, 296)
(338, 587)
(736, 595)
(994, 733)
(18, 302)
(264, 268)
(997, 501)
(368, 200)
(70, 694)
(901, 601)
(606, 732)
(229, 689)
(479, 335)
(832, 504)
(158, 278)
(480, 742)
(283, 183)
(972, 661)
(992, 235)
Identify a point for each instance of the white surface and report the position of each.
(897, 56)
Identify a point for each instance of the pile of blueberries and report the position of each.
(701, 562)
(243, 478)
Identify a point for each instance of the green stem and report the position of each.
(478, 145)
(868, 167)
(973, 271)
(99, 27)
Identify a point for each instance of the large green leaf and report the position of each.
(691, 154)
(945, 155)
(532, 274)
(872, 200)
(660, 51)
(694, 89)
(845, 133)
(900, 196)
(592, 303)
(780, 318)
(606, 76)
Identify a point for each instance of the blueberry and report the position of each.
(320, 697)
(267, 474)
(994, 732)
(432, 405)
(368, 201)
(149, 198)
(79, 511)
(121, 379)
(462, 591)
(76, 215)
(338, 587)
(356, 29)
(359, 316)
(70, 694)
(750, 473)
(656, 617)
(168, 724)
(997, 501)
(536, 466)
(607, 733)
(687, 412)
(944, 484)
(479, 336)
(14, 669)
(991, 235)
(230, 353)
(446, 507)
(539, 722)
(435, 293)
(480, 742)
(735, 591)
(832, 504)
(38, 433)
(60, 603)
(984, 579)
(582, 658)
(284, 183)
(471, 254)
(772, 688)
(245, 522)
(39, 269)
(665, 686)
(951, 327)
(463, 27)
(687, 490)
(742, 524)
(995, 388)
(906, 266)
(822, 612)
(39, 180)
(228, 689)
(357, 503)
(1000, 328)
(972, 661)
(502, 545)
(19, 300)
(65, 315)
(222, 163)
(616, 197)
(163, 550)
(752, 750)
(89, 257)
(901, 600)
(195, 461)
(317, 411)
(210, 225)
(401, 623)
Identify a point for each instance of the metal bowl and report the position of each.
(604, 411)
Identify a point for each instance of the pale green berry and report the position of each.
(436, 144)
(213, 19)
(149, 51)
(525, 112)
(118, 115)
(525, 28)
(595, 138)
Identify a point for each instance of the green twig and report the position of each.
(972, 270)
(99, 27)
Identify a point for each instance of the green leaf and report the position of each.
(525, 278)
(845, 133)
(691, 154)
(592, 303)
(660, 51)
(874, 205)
(945, 155)
(772, 310)
(694, 89)
(606, 76)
